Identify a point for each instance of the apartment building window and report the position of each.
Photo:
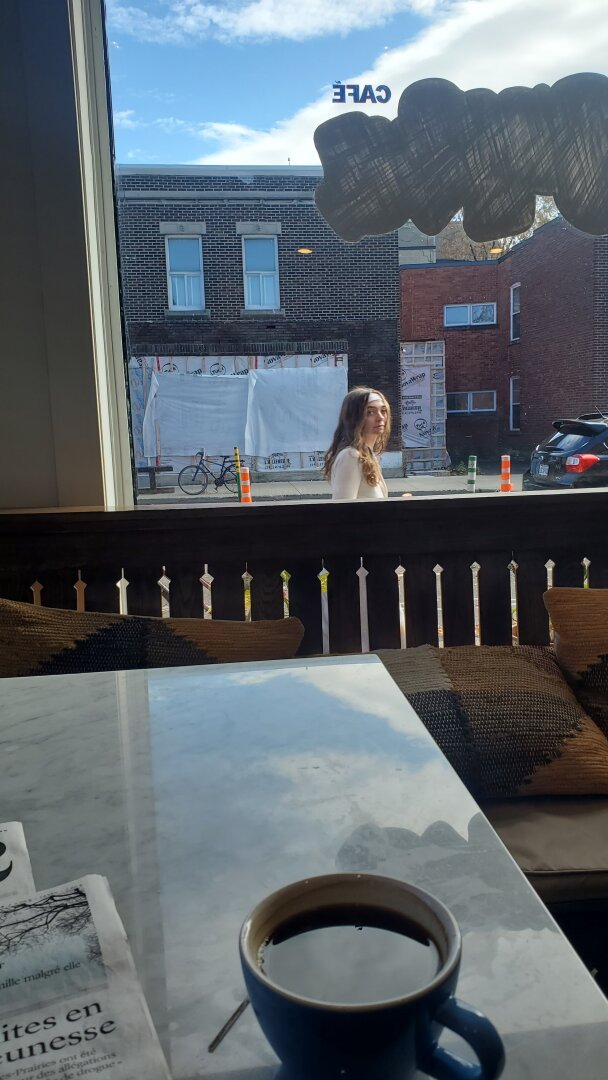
(469, 315)
(185, 273)
(515, 312)
(471, 401)
(514, 403)
(261, 272)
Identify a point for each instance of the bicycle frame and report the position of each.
(202, 466)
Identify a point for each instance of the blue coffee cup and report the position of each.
(377, 1040)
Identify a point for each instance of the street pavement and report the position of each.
(280, 490)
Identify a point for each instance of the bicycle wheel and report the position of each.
(192, 480)
(230, 480)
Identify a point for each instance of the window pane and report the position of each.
(269, 291)
(568, 441)
(178, 290)
(184, 253)
(515, 417)
(482, 314)
(515, 326)
(458, 402)
(483, 401)
(254, 292)
(515, 389)
(515, 300)
(194, 291)
(456, 315)
(260, 253)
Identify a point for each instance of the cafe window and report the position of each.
(515, 312)
(261, 272)
(469, 315)
(514, 403)
(471, 401)
(185, 273)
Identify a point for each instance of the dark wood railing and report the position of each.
(436, 541)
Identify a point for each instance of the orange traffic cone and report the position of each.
(505, 473)
(245, 485)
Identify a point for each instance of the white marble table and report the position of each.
(196, 791)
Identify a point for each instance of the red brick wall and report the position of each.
(470, 353)
(554, 357)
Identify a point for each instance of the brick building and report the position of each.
(526, 337)
(238, 261)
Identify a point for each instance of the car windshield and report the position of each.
(568, 441)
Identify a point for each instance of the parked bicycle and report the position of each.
(194, 479)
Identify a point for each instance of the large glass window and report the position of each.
(261, 272)
(471, 401)
(185, 273)
(469, 314)
(515, 403)
(515, 312)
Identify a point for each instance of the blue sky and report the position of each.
(247, 81)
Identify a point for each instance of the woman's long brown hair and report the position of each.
(349, 433)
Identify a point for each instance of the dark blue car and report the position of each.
(574, 456)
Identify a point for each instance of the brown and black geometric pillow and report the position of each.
(52, 641)
(505, 718)
(580, 621)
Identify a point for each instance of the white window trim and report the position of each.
(264, 273)
(91, 95)
(511, 378)
(180, 307)
(517, 285)
(469, 409)
(469, 322)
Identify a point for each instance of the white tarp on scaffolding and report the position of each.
(266, 412)
(187, 414)
(293, 409)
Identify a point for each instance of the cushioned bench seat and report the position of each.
(560, 843)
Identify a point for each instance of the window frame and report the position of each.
(260, 273)
(469, 411)
(516, 285)
(512, 379)
(185, 273)
(469, 322)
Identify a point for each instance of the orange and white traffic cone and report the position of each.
(505, 473)
(245, 485)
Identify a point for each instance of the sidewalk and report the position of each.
(279, 490)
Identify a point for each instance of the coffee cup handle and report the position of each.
(481, 1035)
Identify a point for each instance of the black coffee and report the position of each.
(350, 955)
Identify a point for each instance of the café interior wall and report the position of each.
(49, 431)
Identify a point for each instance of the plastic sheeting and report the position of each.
(143, 368)
(293, 409)
(208, 411)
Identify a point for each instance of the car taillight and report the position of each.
(580, 462)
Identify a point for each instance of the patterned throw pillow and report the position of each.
(580, 621)
(505, 718)
(51, 641)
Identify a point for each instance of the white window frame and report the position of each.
(469, 322)
(184, 273)
(517, 285)
(260, 273)
(469, 409)
(512, 379)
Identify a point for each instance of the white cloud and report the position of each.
(190, 20)
(491, 43)
(126, 120)
(139, 155)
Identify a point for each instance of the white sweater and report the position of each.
(347, 479)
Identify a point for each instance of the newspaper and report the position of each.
(15, 870)
(70, 1003)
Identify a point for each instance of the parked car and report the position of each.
(574, 456)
